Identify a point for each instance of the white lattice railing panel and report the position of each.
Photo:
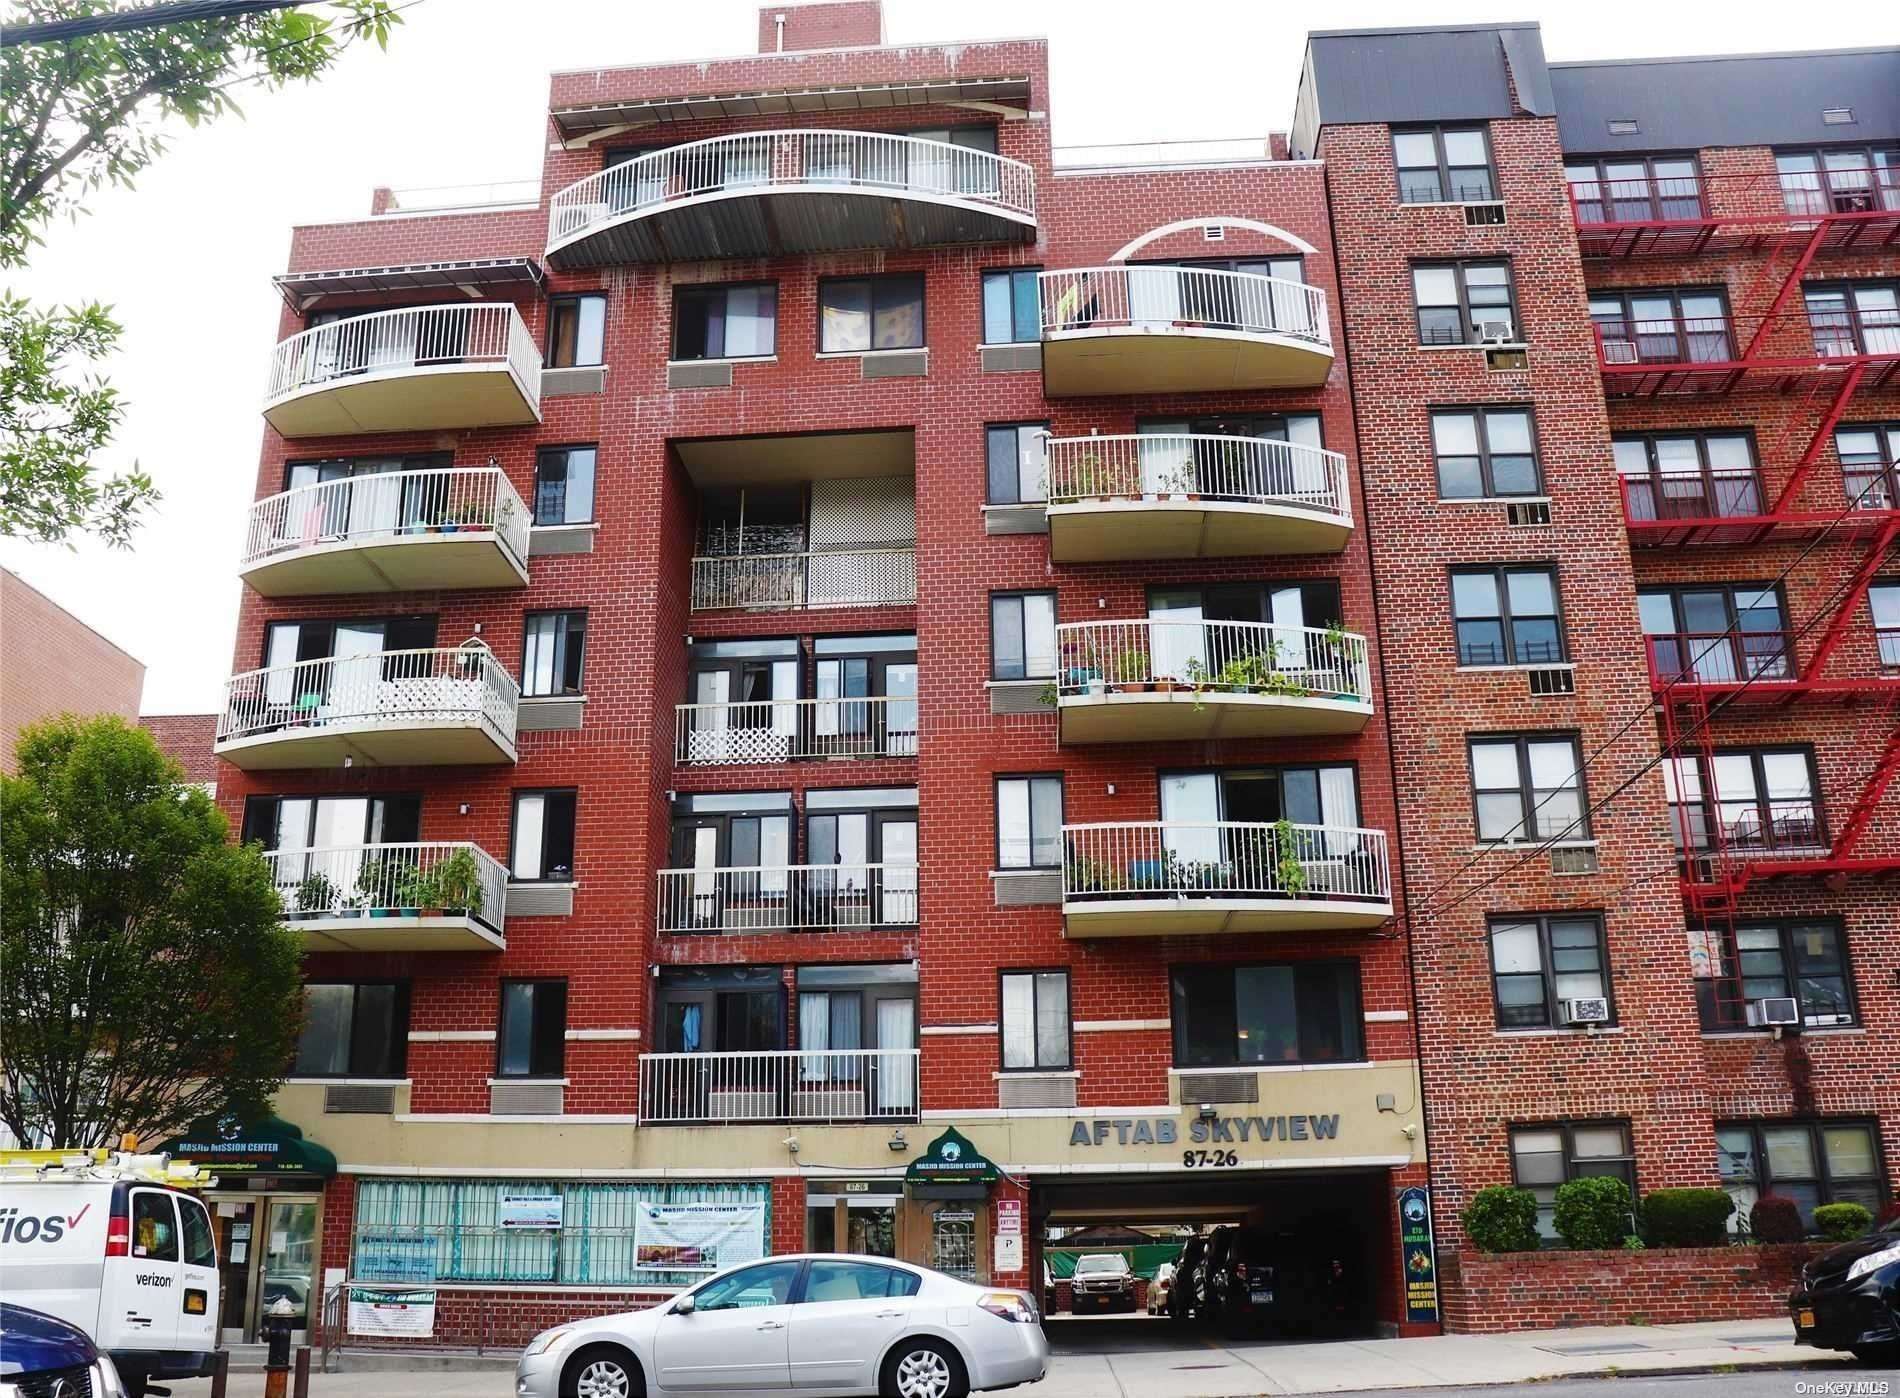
(391, 689)
(786, 730)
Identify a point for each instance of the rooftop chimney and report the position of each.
(832, 24)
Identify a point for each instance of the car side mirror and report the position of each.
(684, 1306)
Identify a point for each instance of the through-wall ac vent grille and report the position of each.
(1205, 1089)
(367, 1099)
(1837, 116)
(1625, 126)
(1213, 233)
(1557, 679)
(1528, 514)
(1484, 215)
(1575, 859)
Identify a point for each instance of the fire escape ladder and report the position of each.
(1817, 444)
(1856, 591)
(1789, 282)
(1710, 884)
(1858, 819)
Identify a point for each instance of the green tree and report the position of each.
(80, 114)
(147, 979)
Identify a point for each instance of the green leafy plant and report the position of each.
(1842, 1223)
(377, 881)
(1775, 1219)
(1634, 1243)
(1130, 667)
(1047, 695)
(474, 514)
(1290, 870)
(1686, 1218)
(317, 893)
(1593, 1212)
(1502, 1218)
(456, 884)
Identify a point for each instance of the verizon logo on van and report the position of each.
(18, 1227)
(157, 1279)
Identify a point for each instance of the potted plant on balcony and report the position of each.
(1289, 869)
(317, 895)
(456, 885)
(1084, 669)
(1131, 671)
(377, 883)
(473, 514)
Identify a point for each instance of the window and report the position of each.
(1810, 1162)
(543, 845)
(533, 1038)
(552, 647)
(1662, 327)
(871, 313)
(768, 1284)
(1444, 164)
(201, 1247)
(1022, 635)
(564, 485)
(1883, 605)
(1029, 822)
(1854, 319)
(1241, 1016)
(1870, 465)
(1712, 635)
(356, 1030)
(1635, 189)
(1464, 303)
(1017, 470)
(1011, 313)
(1805, 960)
(577, 331)
(354, 644)
(1035, 1020)
(725, 322)
(1840, 180)
(1507, 616)
(413, 500)
(1485, 453)
(288, 823)
(1764, 798)
(154, 1226)
(1543, 1157)
(1528, 788)
(1539, 961)
(856, 1281)
(1688, 475)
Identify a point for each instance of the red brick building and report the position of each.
(56, 664)
(832, 671)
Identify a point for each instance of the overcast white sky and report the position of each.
(186, 259)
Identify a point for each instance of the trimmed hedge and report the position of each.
(1686, 1218)
(1842, 1223)
(1776, 1220)
(1502, 1219)
(1593, 1212)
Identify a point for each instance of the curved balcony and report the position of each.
(781, 193)
(1163, 329)
(1166, 681)
(1193, 495)
(425, 369)
(1185, 878)
(412, 708)
(438, 896)
(396, 531)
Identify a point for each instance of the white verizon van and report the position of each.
(109, 1247)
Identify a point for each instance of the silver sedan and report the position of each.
(819, 1323)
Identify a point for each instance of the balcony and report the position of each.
(1722, 662)
(426, 369)
(1179, 879)
(404, 897)
(781, 582)
(1193, 495)
(787, 898)
(1161, 329)
(396, 531)
(1715, 354)
(1714, 508)
(1846, 210)
(409, 708)
(794, 730)
(1164, 681)
(786, 193)
(730, 1089)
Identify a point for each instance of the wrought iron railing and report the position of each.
(394, 880)
(1224, 860)
(787, 897)
(1241, 470)
(1726, 657)
(1791, 826)
(434, 503)
(406, 341)
(1211, 657)
(793, 581)
(789, 1085)
(1857, 189)
(790, 730)
(1692, 495)
(1812, 332)
(1164, 297)
(387, 689)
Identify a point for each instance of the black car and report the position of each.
(1205, 1294)
(1245, 1281)
(1187, 1279)
(1849, 1298)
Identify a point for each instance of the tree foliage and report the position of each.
(147, 980)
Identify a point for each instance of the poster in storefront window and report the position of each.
(391, 1311)
(1417, 1257)
(697, 1237)
(519, 1210)
(393, 1257)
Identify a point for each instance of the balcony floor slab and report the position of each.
(415, 743)
(1177, 359)
(360, 932)
(1182, 715)
(412, 398)
(1200, 917)
(1103, 531)
(466, 558)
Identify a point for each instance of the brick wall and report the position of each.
(56, 664)
(1491, 1293)
(187, 739)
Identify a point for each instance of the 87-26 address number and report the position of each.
(1209, 1159)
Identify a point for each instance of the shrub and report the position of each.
(1502, 1219)
(1686, 1218)
(1594, 1212)
(1842, 1223)
(1776, 1220)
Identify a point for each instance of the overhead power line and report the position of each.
(55, 31)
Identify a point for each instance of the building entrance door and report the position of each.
(267, 1248)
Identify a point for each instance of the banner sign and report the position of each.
(373, 1311)
(951, 1159)
(697, 1237)
(1415, 1252)
(394, 1257)
(521, 1209)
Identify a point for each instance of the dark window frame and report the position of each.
(874, 280)
(1568, 1127)
(1480, 413)
(1055, 613)
(1785, 930)
(1529, 827)
(1068, 983)
(1653, 195)
(534, 1073)
(1446, 193)
(1010, 273)
(1886, 638)
(408, 461)
(1500, 575)
(1467, 318)
(570, 302)
(398, 1032)
(1547, 972)
(1354, 1025)
(566, 636)
(514, 826)
(1713, 491)
(1764, 1180)
(1042, 425)
(543, 453)
(1825, 188)
(684, 292)
(1686, 338)
(332, 623)
(1882, 476)
(996, 811)
(1709, 806)
(1742, 657)
(1845, 287)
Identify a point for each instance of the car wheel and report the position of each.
(924, 1369)
(601, 1372)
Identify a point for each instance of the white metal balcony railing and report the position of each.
(788, 897)
(398, 880)
(1212, 658)
(403, 341)
(386, 689)
(1243, 470)
(390, 504)
(787, 730)
(1224, 860)
(786, 581)
(1160, 298)
(756, 161)
(781, 1085)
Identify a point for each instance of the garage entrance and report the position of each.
(1293, 1255)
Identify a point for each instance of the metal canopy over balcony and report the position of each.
(394, 531)
(780, 898)
(1191, 495)
(303, 290)
(433, 708)
(783, 458)
(438, 896)
(583, 118)
(1157, 878)
(1158, 681)
(1166, 329)
(418, 370)
(779, 193)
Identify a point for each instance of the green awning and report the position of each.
(270, 1146)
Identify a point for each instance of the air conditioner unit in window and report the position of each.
(1494, 332)
(1587, 1009)
(1774, 1012)
(1619, 351)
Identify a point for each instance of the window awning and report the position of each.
(270, 1146)
(303, 289)
(599, 116)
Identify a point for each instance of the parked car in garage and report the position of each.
(1244, 1281)
(1103, 1281)
(1847, 1298)
(1159, 1289)
(1205, 1298)
(1187, 1277)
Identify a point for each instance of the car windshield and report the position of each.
(1106, 1262)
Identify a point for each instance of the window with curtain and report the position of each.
(1022, 635)
(532, 1040)
(542, 847)
(1029, 822)
(564, 485)
(725, 322)
(1546, 1156)
(1011, 314)
(830, 1023)
(1244, 1016)
(552, 647)
(1017, 472)
(1539, 961)
(871, 313)
(1035, 1020)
